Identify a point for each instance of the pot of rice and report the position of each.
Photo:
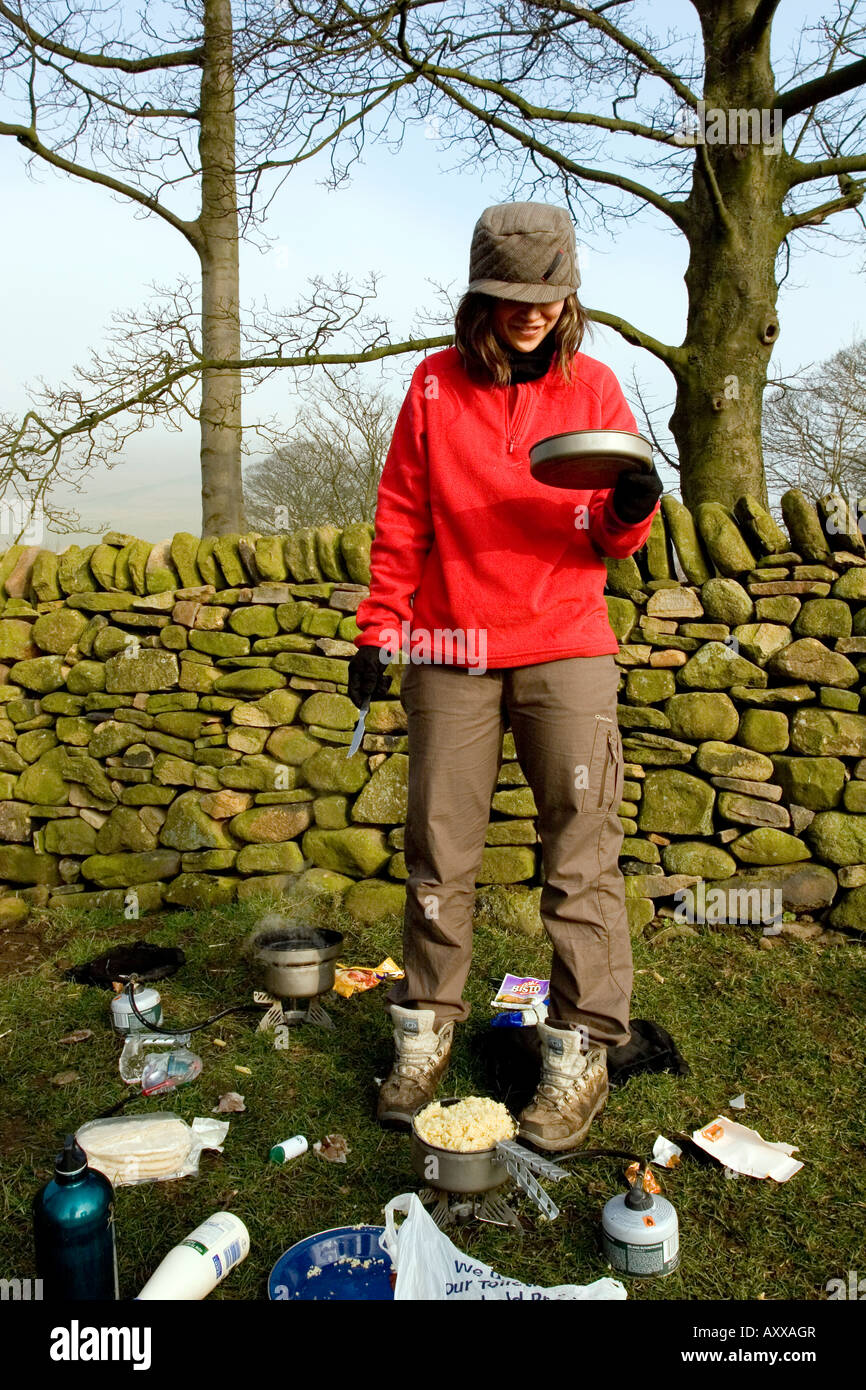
(453, 1143)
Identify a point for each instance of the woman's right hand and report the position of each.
(368, 678)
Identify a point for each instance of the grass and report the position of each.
(787, 1026)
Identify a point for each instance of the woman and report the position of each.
(497, 583)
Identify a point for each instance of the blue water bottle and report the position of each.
(73, 1230)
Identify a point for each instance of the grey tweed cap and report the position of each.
(524, 251)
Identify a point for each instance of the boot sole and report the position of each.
(569, 1142)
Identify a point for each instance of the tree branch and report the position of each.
(666, 352)
(814, 216)
(831, 84)
(182, 58)
(28, 137)
(827, 168)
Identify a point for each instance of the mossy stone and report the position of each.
(769, 846)
(86, 677)
(250, 683)
(124, 830)
(726, 601)
(70, 837)
(44, 578)
(271, 824)
(126, 870)
(149, 669)
(73, 571)
(506, 864)
(197, 891)
(183, 552)
(716, 667)
(270, 859)
(823, 617)
(355, 542)
(270, 559)
(700, 715)
(634, 847)
(227, 552)
(722, 539)
(291, 746)
(649, 687)
(43, 784)
(384, 799)
(782, 609)
(187, 827)
(659, 561)
(812, 782)
(40, 673)
(331, 812)
(804, 526)
(21, 864)
(829, 733)
(328, 553)
(329, 770)
(258, 620)
(764, 730)
(301, 557)
(760, 641)
(623, 576)
(759, 525)
(331, 711)
(720, 759)
(676, 802)
(356, 851)
(16, 640)
(695, 857)
(370, 899)
(622, 615)
(684, 534)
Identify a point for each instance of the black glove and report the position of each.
(635, 495)
(368, 675)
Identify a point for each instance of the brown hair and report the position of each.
(485, 357)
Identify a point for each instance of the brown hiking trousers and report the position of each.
(563, 717)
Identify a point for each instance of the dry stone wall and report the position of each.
(174, 723)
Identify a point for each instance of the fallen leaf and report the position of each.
(333, 1148)
(80, 1035)
(65, 1078)
(229, 1104)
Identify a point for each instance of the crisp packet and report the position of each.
(521, 992)
(354, 979)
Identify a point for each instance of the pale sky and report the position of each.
(75, 255)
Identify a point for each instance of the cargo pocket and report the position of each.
(601, 793)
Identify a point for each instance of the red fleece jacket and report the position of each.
(505, 571)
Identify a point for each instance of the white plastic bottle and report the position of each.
(194, 1268)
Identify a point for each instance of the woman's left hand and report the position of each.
(635, 495)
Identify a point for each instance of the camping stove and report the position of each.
(466, 1186)
(294, 965)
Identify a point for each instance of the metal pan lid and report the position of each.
(585, 446)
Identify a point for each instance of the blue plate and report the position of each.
(332, 1253)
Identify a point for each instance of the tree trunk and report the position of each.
(220, 413)
(735, 227)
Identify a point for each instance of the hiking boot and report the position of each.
(420, 1061)
(571, 1092)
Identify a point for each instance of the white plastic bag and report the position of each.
(430, 1268)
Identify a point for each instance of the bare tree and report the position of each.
(565, 100)
(570, 100)
(178, 111)
(329, 468)
(815, 428)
